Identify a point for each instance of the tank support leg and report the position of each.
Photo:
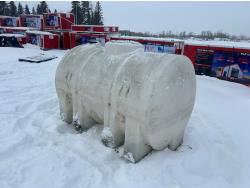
(85, 121)
(116, 136)
(66, 108)
(134, 147)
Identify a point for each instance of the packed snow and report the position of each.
(38, 149)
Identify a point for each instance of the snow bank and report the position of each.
(39, 150)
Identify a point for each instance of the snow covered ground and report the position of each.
(39, 150)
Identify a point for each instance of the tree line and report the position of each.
(204, 35)
(85, 12)
(10, 9)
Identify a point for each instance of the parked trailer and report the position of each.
(33, 21)
(45, 40)
(163, 45)
(9, 21)
(58, 21)
(225, 60)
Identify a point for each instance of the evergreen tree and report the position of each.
(55, 11)
(27, 10)
(86, 12)
(76, 10)
(7, 9)
(98, 17)
(38, 9)
(44, 7)
(12, 8)
(19, 9)
(33, 11)
(3, 7)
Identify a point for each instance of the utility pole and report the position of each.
(76, 14)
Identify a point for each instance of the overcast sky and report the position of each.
(231, 17)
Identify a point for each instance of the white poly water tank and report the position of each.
(143, 99)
